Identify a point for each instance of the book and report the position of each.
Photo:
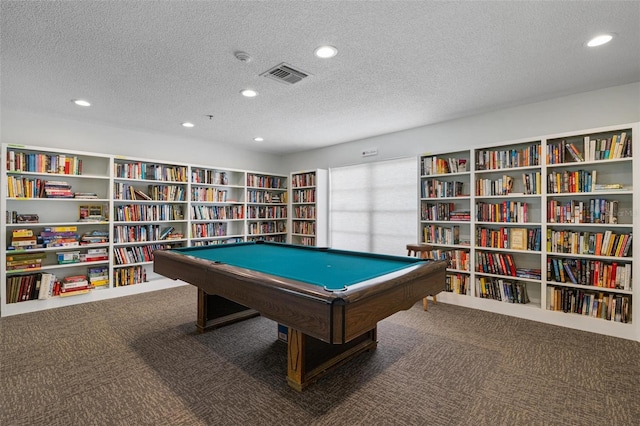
(518, 239)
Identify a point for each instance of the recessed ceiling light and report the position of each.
(258, 139)
(249, 93)
(600, 40)
(187, 124)
(325, 52)
(81, 102)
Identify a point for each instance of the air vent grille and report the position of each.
(286, 74)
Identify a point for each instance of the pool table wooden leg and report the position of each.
(308, 359)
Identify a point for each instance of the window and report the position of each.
(373, 206)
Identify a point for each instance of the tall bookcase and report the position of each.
(84, 225)
(550, 230)
(445, 214)
(149, 205)
(216, 206)
(309, 209)
(267, 207)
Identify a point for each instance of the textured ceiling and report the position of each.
(151, 65)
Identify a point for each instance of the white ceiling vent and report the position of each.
(286, 74)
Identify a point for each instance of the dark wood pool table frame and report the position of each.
(326, 328)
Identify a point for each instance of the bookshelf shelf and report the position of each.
(554, 212)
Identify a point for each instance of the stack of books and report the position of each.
(57, 189)
(74, 285)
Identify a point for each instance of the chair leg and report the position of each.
(435, 301)
(424, 304)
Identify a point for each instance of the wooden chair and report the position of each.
(422, 251)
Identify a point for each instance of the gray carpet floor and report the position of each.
(139, 361)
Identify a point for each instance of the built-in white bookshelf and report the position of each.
(95, 220)
(267, 207)
(542, 212)
(309, 209)
(445, 214)
(216, 206)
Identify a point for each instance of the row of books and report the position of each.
(569, 182)
(438, 166)
(617, 146)
(18, 161)
(506, 211)
(202, 230)
(125, 191)
(39, 286)
(436, 234)
(267, 212)
(209, 177)
(21, 288)
(262, 181)
(230, 240)
(606, 243)
(607, 306)
(129, 275)
(272, 227)
(597, 149)
(210, 195)
(261, 196)
(150, 171)
(136, 254)
(503, 290)
(304, 212)
(199, 212)
(457, 283)
(137, 233)
(434, 188)
(155, 212)
(443, 211)
(303, 195)
(25, 187)
(306, 227)
(590, 272)
(508, 158)
(303, 179)
(509, 238)
(500, 186)
(595, 210)
(456, 259)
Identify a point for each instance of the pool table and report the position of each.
(331, 300)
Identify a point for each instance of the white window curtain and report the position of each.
(374, 206)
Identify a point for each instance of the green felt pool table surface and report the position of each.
(328, 268)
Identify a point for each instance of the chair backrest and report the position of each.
(419, 250)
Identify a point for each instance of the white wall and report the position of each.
(28, 128)
(615, 105)
(611, 106)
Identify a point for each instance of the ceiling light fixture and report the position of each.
(249, 93)
(258, 139)
(325, 52)
(600, 40)
(81, 102)
(187, 124)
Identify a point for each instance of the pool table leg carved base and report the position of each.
(216, 311)
(309, 359)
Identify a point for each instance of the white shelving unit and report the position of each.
(546, 294)
(309, 209)
(216, 206)
(131, 203)
(267, 207)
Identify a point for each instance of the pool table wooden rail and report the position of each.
(333, 317)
